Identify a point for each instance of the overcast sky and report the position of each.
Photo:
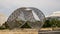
(46, 6)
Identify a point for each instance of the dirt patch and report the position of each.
(19, 31)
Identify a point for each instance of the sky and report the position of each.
(46, 6)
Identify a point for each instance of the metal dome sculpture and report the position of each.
(33, 16)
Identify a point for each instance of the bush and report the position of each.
(47, 24)
(26, 25)
(53, 22)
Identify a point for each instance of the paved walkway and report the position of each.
(49, 32)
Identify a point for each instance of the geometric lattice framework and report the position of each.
(33, 16)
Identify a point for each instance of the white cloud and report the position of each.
(2, 18)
